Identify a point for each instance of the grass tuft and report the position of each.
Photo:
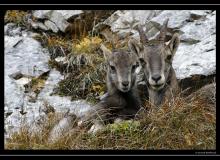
(180, 125)
(16, 16)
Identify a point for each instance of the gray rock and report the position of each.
(125, 19)
(51, 26)
(22, 81)
(55, 17)
(11, 29)
(26, 33)
(16, 75)
(38, 25)
(200, 29)
(23, 55)
(67, 14)
(13, 90)
(26, 57)
(8, 27)
(59, 104)
(41, 14)
(59, 20)
(177, 18)
(123, 22)
(198, 58)
(200, 13)
(207, 93)
(11, 42)
(62, 128)
(31, 120)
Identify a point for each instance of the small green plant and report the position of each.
(125, 127)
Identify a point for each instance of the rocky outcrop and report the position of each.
(197, 29)
(63, 127)
(123, 22)
(54, 20)
(25, 61)
(45, 14)
(51, 25)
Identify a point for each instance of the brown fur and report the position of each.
(156, 59)
(120, 102)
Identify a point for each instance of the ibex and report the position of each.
(156, 60)
(122, 100)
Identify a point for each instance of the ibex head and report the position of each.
(156, 56)
(121, 68)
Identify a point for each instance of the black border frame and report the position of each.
(107, 152)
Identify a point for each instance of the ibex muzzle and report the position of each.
(156, 56)
(121, 67)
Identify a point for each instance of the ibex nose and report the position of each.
(156, 77)
(125, 83)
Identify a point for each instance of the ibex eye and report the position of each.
(169, 57)
(112, 68)
(134, 67)
(142, 61)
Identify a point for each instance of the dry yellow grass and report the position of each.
(178, 125)
(15, 16)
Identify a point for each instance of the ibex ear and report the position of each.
(134, 46)
(106, 52)
(174, 43)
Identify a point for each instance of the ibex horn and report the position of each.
(113, 42)
(143, 36)
(163, 30)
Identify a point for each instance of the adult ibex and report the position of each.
(122, 100)
(156, 59)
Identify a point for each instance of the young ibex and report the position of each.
(156, 59)
(122, 100)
